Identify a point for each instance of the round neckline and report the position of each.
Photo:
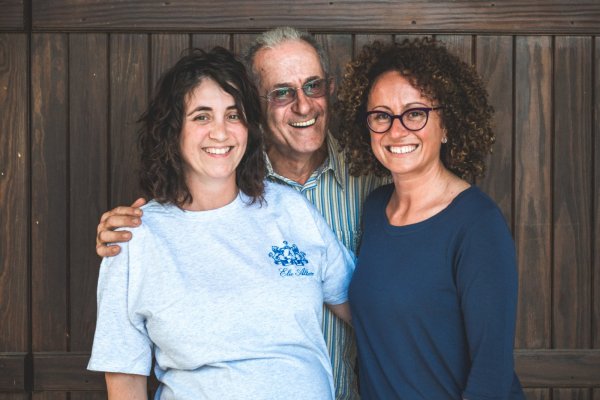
(403, 229)
(239, 201)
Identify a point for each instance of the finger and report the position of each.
(108, 251)
(109, 237)
(138, 203)
(120, 221)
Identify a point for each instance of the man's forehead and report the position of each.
(293, 62)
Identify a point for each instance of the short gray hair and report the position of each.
(277, 36)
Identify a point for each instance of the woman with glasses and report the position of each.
(434, 294)
(224, 281)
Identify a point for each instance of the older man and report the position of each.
(291, 71)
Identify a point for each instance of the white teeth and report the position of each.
(403, 149)
(303, 124)
(217, 150)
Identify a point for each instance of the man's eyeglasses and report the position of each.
(413, 119)
(285, 95)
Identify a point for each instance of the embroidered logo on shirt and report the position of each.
(290, 256)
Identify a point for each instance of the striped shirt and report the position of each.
(339, 197)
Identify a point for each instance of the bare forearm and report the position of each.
(126, 386)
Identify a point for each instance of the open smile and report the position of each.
(303, 124)
(402, 149)
(218, 150)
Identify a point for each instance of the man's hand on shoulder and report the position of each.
(119, 217)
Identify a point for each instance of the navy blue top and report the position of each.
(434, 303)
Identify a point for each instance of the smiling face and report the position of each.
(213, 137)
(404, 152)
(296, 130)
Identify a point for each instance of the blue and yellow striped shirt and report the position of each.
(339, 197)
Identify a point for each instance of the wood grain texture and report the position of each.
(129, 88)
(12, 16)
(494, 61)
(207, 41)
(12, 371)
(344, 15)
(362, 40)
(558, 368)
(572, 192)
(165, 50)
(49, 396)
(88, 126)
(49, 199)
(65, 371)
(14, 193)
(533, 188)
(596, 203)
(571, 394)
(536, 394)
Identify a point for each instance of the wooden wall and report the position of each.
(75, 74)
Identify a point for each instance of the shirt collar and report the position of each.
(333, 162)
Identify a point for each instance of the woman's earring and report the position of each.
(445, 139)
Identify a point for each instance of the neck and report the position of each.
(210, 196)
(297, 167)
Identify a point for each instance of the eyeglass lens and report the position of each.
(285, 95)
(413, 119)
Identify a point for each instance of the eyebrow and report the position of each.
(205, 108)
(405, 106)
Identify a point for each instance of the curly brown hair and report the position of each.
(441, 77)
(161, 174)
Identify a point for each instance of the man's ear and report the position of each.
(331, 86)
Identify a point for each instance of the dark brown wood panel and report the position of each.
(572, 192)
(494, 61)
(166, 49)
(537, 394)
(88, 116)
(533, 188)
(14, 396)
(49, 396)
(65, 371)
(460, 45)
(128, 98)
(596, 202)
(12, 371)
(12, 17)
(571, 394)
(241, 42)
(50, 180)
(88, 396)
(558, 368)
(207, 41)
(14, 193)
(362, 40)
(514, 15)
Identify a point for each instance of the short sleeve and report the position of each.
(121, 343)
(338, 265)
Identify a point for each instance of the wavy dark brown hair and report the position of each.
(441, 77)
(161, 174)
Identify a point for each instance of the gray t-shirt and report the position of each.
(229, 300)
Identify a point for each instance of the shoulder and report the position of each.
(277, 193)
(473, 205)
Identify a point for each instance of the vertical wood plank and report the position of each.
(596, 200)
(363, 39)
(460, 45)
(49, 396)
(410, 36)
(128, 99)
(537, 394)
(14, 396)
(533, 193)
(572, 192)
(49, 206)
(88, 116)
(88, 395)
(12, 16)
(495, 66)
(207, 41)
(571, 394)
(339, 48)
(14, 193)
(596, 394)
(166, 49)
(242, 41)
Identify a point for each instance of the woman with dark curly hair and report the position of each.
(434, 294)
(225, 280)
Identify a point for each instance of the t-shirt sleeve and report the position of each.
(338, 265)
(121, 343)
(487, 285)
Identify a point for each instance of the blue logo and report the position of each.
(290, 256)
